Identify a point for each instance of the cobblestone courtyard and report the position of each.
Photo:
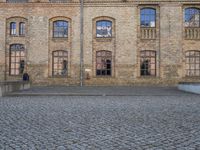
(140, 122)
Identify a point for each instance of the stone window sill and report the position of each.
(103, 76)
(104, 39)
(59, 38)
(148, 77)
(192, 77)
(59, 77)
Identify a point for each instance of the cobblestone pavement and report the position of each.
(100, 122)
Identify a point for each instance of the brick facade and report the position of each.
(167, 39)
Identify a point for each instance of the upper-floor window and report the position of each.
(104, 28)
(193, 63)
(21, 28)
(192, 17)
(60, 29)
(148, 17)
(13, 28)
(17, 59)
(16, 26)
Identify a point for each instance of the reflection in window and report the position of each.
(103, 63)
(60, 29)
(104, 28)
(148, 17)
(21, 28)
(13, 28)
(148, 63)
(192, 17)
(193, 63)
(17, 57)
(60, 63)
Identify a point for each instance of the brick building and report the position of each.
(124, 42)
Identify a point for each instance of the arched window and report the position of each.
(60, 29)
(104, 28)
(147, 17)
(192, 17)
(21, 28)
(13, 28)
(103, 63)
(148, 63)
(192, 63)
(17, 59)
(60, 63)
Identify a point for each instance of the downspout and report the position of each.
(81, 44)
(5, 50)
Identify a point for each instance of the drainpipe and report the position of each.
(81, 44)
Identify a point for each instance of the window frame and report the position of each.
(21, 57)
(147, 57)
(22, 28)
(13, 30)
(104, 58)
(186, 14)
(63, 58)
(188, 62)
(150, 8)
(53, 29)
(111, 25)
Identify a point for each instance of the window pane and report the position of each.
(148, 17)
(60, 28)
(148, 63)
(192, 63)
(192, 16)
(60, 63)
(17, 55)
(13, 28)
(103, 63)
(21, 28)
(104, 28)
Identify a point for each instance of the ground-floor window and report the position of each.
(148, 63)
(103, 63)
(193, 63)
(60, 63)
(17, 59)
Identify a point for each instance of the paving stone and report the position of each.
(161, 122)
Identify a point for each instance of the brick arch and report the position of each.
(193, 7)
(147, 7)
(60, 18)
(103, 18)
(192, 51)
(16, 17)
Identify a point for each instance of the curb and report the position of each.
(85, 94)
